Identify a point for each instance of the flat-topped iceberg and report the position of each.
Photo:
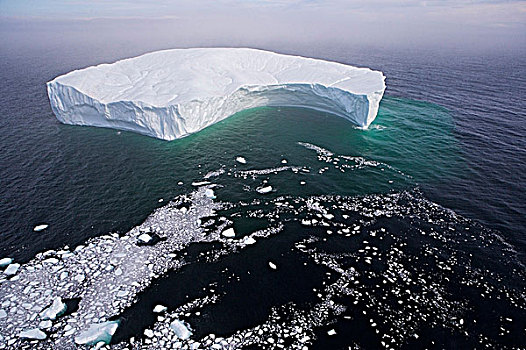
(173, 93)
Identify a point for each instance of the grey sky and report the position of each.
(384, 22)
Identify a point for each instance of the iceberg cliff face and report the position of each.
(173, 93)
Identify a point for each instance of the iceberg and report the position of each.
(56, 309)
(34, 333)
(180, 330)
(96, 333)
(173, 93)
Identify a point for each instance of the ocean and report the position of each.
(411, 234)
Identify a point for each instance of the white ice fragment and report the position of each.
(3, 314)
(144, 238)
(264, 190)
(249, 240)
(99, 332)
(40, 227)
(272, 265)
(5, 261)
(229, 233)
(12, 269)
(283, 161)
(331, 332)
(212, 84)
(34, 333)
(180, 330)
(200, 183)
(56, 309)
(159, 308)
(209, 193)
(241, 160)
(45, 324)
(148, 333)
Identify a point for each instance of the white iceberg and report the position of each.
(229, 233)
(56, 309)
(180, 330)
(12, 269)
(96, 333)
(264, 190)
(5, 261)
(173, 93)
(34, 333)
(39, 228)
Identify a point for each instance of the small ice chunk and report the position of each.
(161, 200)
(56, 309)
(3, 314)
(331, 332)
(180, 330)
(5, 261)
(272, 265)
(159, 308)
(249, 240)
(45, 324)
(209, 193)
(241, 160)
(40, 227)
(33, 333)
(229, 233)
(12, 269)
(283, 161)
(148, 333)
(144, 238)
(200, 183)
(264, 190)
(99, 332)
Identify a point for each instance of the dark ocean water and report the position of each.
(444, 165)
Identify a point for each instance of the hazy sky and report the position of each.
(384, 22)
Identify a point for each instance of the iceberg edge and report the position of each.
(169, 121)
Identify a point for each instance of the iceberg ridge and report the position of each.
(174, 93)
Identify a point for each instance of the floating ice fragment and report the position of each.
(144, 238)
(45, 324)
(272, 265)
(241, 160)
(40, 227)
(56, 309)
(229, 233)
(331, 332)
(283, 161)
(5, 261)
(209, 193)
(264, 190)
(3, 314)
(200, 183)
(159, 308)
(99, 332)
(12, 269)
(180, 330)
(249, 240)
(34, 333)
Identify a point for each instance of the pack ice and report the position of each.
(173, 93)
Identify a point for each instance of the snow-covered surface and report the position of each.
(173, 93)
